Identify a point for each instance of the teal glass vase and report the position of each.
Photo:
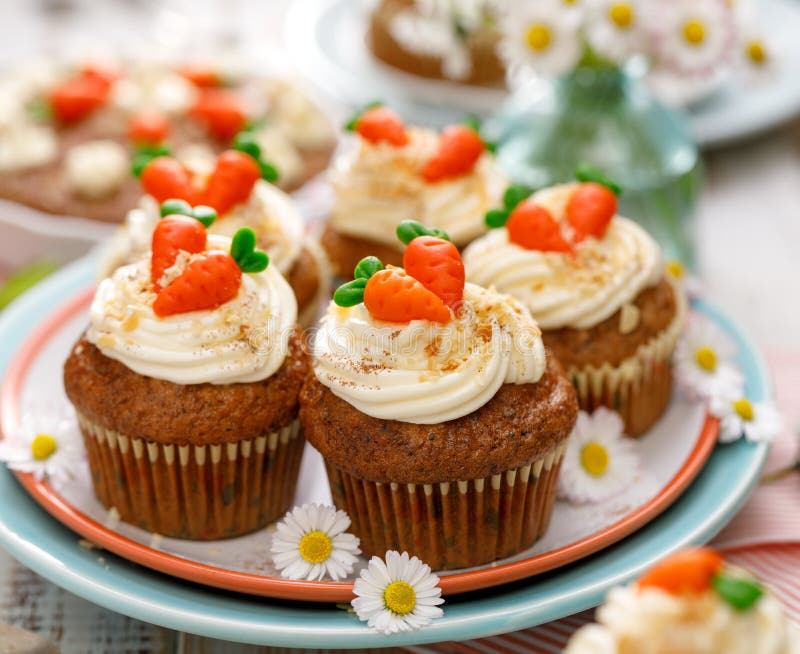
(603, 115)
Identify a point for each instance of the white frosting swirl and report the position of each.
(562, 290)
(244, 340)
(423, 372)
(269, 212)
(655, 622)
(96, 169)
(377, 186)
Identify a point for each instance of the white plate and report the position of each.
(326, 39)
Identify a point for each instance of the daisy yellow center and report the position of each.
(315, 547)
(43, 447)
(744, 409)
(756, 52)
(594, 459)
(621, 14)
(675, 268)
(694, 31)
(400, 598)
(570, 2)
(706, 358)
(538, 37)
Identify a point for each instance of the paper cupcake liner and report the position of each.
(452, 524)
(639, 387)
(199, 492)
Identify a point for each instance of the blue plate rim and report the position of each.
(162, 600)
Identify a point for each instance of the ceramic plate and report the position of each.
(43, 544)
(326, 39)
(673, 453)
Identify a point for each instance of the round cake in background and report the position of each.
(186, 386)
(440, 419)
(454, 41)
(597, 285)
(70, 134)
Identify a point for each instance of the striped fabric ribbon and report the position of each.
(764, 537)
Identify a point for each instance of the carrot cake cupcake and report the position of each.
(596, 284)
(441, 421)
(232, 185)
(186, 386)
(454, 41)
(69, 134)
(691, 603)
(393, 173)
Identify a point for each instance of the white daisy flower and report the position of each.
(310, 542)
(694, 36)
(758, 422)
(541, 35)
(47, 445)
(703, 367)
(616, 28)
(399, 595)
(690, 284)
(600, 462)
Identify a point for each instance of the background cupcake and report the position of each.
(441, 422)
(595, 282)
(441, 40)
(186, 386)
(693, 603)
(236, 184)
(394, 173)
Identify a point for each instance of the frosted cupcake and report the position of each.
(596, 284)
(236, 185)
(691, 603)
(441, 421)
(393, 173)
(186, 386)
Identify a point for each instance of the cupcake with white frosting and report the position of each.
(394, 173)
(186, 385)
(596, 284)
(691, 603)
(441, 421)
(232, 185)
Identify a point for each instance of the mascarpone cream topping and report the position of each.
(377, 186)
(423, 372)
(562, 290)
(244, 340)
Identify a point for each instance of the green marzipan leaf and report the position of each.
(588, 173)
(246, 142)
(244, 242)
(255, 262)
(408, 230)
(495, 218)
(171, 207)
(206, 215)
(351, 293)
(367, 267)
(268, 171)
(514, 195)
(741, 594)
